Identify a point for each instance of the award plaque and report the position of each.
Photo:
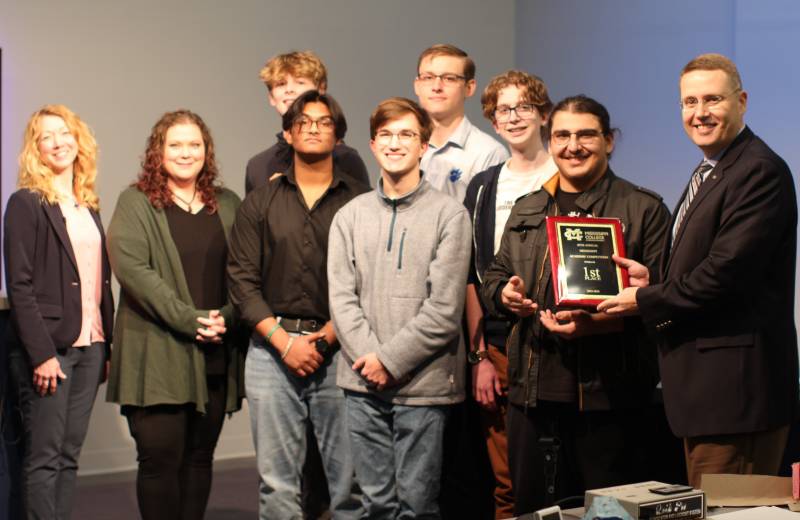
(584, 274)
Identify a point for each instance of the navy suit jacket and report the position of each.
(724, 311)
(42, 278)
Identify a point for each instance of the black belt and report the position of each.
(299, 325)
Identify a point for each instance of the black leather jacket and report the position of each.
(616, 370)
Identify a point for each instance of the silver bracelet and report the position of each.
(288, 348)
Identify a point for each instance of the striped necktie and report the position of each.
(694, 185)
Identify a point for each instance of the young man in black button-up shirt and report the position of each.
(277, 278)
(287, 76)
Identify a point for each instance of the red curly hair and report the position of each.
(152, 179)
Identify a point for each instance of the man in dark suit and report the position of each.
(724, 311)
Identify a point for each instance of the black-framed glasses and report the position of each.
(584, 137)
(324, 124)
(712, 101)
(450, 79)
(523, 110)
(404, 137)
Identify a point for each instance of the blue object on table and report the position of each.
(606, 508)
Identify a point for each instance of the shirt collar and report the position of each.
(715, 159)
(338, 177)
(460, 134)
(408, 198)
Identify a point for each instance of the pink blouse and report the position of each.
(85, 239)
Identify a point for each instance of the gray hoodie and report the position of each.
(397, 271)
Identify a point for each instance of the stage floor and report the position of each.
(234, 494)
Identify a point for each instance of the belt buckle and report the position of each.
(290, 325)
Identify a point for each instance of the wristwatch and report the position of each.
(476, 356)
(322, 346)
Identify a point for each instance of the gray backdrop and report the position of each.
(120, 65)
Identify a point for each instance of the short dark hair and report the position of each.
(396, 107)
(314, 96)
(582, 104)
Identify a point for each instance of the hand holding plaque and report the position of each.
(584, 274)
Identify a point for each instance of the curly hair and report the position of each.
(37, 176)
(535, 92)
(152, 179)
(300, 64)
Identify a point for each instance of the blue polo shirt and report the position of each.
(467, 152)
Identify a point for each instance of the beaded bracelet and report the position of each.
(288, 348)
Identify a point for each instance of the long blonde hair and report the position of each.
(37, 176)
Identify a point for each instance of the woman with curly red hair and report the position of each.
(176, 369)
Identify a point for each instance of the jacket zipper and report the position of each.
(536, 295)
(391, 226)
(400, 252)
(530, 350)
(475, 220)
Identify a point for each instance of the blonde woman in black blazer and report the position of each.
(58, 281)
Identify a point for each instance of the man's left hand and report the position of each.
(371, 369)
(568, 324)
(623, 304)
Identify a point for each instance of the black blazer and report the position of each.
(725, 309)
(42, 278)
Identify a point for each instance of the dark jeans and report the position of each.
(54, 428)
(175, 446)
(397, 451)
(592, 450)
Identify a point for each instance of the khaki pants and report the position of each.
(758, 453)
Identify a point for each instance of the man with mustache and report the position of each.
(578, 381)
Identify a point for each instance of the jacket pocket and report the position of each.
(526, 218)
(738, 340)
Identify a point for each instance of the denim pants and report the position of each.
(280, 406)
(398, 456)
(54, 427)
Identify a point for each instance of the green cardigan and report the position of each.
(155, 359)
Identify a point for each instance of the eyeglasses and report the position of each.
(710, 102)
(523, 111)
(447, 79)
(405, 137)
(324, 124)
(584, 137)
